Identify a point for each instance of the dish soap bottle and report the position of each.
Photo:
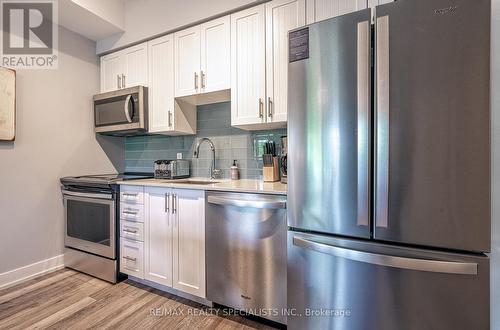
(235, 174)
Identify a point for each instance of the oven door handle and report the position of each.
(88, 195)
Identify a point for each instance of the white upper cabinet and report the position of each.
(318, 10)
(125, 68)
(187, 61)
(189, 242)
(281, 17)
(158, 238)
(165, 115)
(259, 63)
(248, 66)
(215, 71)
(135, 70)
(202, 57)
(161, 84)
(111, 71)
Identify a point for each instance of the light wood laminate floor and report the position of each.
(70, 300)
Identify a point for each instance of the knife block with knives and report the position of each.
(271, 167)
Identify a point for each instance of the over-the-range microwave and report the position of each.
(122, 112)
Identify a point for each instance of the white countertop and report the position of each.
(244, 185)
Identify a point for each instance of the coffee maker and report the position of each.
(283, 161)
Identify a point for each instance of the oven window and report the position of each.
(89, 221)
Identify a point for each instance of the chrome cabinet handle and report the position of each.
(167, 197)
(130, 212)
(202, 79)
(382, 122)
(129, 258)
(126, 108)
(174, 203)
(196, 80)
(129, 194)
(257, 204)
(261, 110)
(130, 231)
(363, 95)
(118, 81)
(425, 265)
(169, 119)
(269, 107)
(123, 81)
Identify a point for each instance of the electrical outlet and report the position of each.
(179, 155)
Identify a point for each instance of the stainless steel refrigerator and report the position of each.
(389, 168)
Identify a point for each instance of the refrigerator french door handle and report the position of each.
(363, 88)
(382, 122)
(425, 265)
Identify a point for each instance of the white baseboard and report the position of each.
(16, 276)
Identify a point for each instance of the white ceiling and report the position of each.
(94, 19)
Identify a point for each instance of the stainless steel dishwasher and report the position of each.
(246, 252)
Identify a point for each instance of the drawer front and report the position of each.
(132, 212)
(132, 230)
(132, 258)
(132, 194)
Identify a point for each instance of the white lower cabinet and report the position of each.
(189, 242)
(132, 257)
(158, 236)
(174, 239)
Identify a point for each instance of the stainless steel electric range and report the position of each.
(91, 209)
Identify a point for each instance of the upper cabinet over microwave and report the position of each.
(125, 68)
(202, 58)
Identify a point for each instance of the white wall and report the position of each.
(54, 138)
(147, 18)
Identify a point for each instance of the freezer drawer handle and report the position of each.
(425, 265)
(257, 204)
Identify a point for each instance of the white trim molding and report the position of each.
(25, 273)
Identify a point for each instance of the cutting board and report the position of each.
(7, 104)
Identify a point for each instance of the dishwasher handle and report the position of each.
(257, 204)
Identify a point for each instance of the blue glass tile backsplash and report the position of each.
(214, 122)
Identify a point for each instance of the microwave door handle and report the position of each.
(126, 108)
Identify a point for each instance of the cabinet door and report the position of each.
(187, 61)
(161, 84)
(111, 70)
(281, 17)
(216, 55)
(189, 242)
(248, 66)
(135, 65)
(318, 10)
(158, 238)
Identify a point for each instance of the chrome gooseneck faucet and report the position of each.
(214, 173)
